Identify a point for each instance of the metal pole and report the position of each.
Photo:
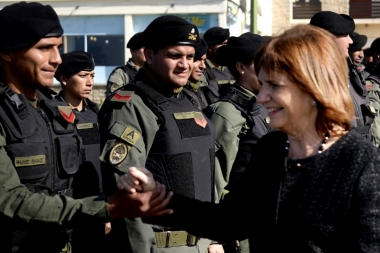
(253, 16)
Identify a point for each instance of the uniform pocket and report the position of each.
(30, 160)
(68, 156)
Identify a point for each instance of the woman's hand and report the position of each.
(137, 179)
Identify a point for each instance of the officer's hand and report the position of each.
(108, 228)
(215, 248)
(137, 179)
(139, 204)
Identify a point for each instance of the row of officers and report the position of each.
(183, 106)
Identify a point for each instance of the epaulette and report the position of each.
(122, 95)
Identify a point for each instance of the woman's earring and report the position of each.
(242, 72)
(314, 103)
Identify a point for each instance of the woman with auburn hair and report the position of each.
(314, 185)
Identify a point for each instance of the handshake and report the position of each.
(139, 196)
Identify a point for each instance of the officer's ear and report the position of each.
(149, 55)
(63, 79)
(240, 67)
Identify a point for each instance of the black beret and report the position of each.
(75, 62)
(375, 46)
(23, 24)
(242, 48)
(200, 49)
(216, 35)
(134, 42)
(337, 24)
(169, 30)
(358, 41)
(367, 52)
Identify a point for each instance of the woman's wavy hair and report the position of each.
(309, 56)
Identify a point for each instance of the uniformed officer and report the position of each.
(151, 122)
(239, 120)
(203, 92)
(215, 38)
(124, 74)
(341, 25)
(356, 53)
(39, 145)
(76, 76)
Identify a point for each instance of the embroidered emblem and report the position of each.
(67, 113)
(118, 153)
(130, 135)
(197, 116)
(122, 96)
(84, 126)
(192, 36)
(30, 160)
(200, 119)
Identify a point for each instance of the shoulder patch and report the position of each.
(130, 135)
(368, 85)
(67, 113)
(118, 153)
(122, 96)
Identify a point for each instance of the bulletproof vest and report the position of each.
(222, 79)
(89, 169)
(44, 149)
(183, 153)
(42, 145)
(364, 116)
(197, 97)
(256, 126)
(129, 70)
(211, 91)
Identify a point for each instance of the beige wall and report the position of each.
(338, 6)
(282, 15)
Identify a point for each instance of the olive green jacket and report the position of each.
(229, 123)
(374, 98)
(20, 207)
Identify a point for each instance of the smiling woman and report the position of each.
(314, 185)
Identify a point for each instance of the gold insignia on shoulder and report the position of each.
(118, 153)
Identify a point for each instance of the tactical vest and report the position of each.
(183, 153)
(44, 149)
(256, 126)
(363, 111)
(42, 145)
(129, 70)
(220, 79)
(197, 97)
(88, 180)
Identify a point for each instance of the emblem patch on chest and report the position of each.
(67, 113)
(197, 116)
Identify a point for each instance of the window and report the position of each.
(108, 50)
(305, 9)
